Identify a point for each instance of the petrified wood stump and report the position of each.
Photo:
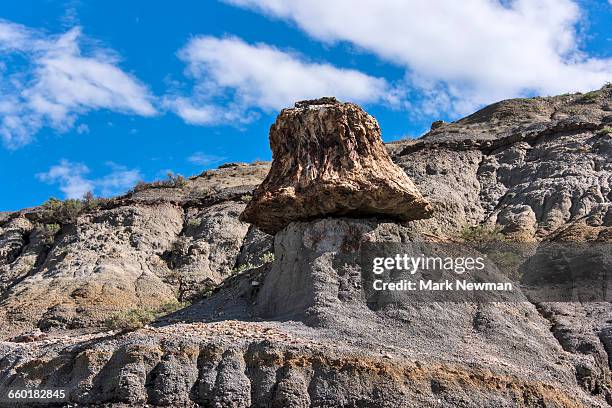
(329, 160)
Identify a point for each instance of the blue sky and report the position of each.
(98, 95)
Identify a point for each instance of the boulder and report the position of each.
(329, 160)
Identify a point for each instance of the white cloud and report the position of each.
(74, 183)
(13, 36)
(56, 82)
(70, 177)
(202, 159)
(117, 181)
(201, 110)
(82, 129)
(234, 79)
(473, 51)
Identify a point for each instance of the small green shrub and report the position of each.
(193, 222)
(91, 202)
(244, 267)
(171, 307)
(130, 320)
(176, 180)
(57, 211)
(62, 211)
(136, 318)
(207, 291)
(268, 257)
(49, 231)
(606, 130)
(140, 186)
(246, 198)
(172, 181)
(53, 205)
(482, 237)
(265, 258)
(590, 96)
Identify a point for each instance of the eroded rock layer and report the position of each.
(329, 160)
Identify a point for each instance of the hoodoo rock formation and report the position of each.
(329, 159)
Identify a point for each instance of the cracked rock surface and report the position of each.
(329, 160)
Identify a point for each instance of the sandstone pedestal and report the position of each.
(329, 160)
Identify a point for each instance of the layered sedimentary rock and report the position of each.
(237, 348)
(154, 246)
(540, 169)
(329, 160)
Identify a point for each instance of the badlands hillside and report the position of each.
(174, 295)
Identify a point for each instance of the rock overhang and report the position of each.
(329, 160)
